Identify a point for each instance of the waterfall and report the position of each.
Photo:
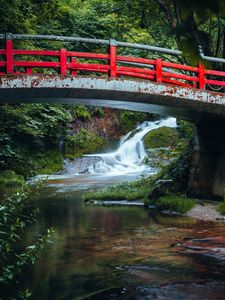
(128, 158)
(126, 163)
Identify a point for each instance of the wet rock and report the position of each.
(81, 165)
(209, 247)
(162, 187)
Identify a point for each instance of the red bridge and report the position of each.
(63, 62)
(111, 79)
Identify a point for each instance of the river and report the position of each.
(121, 252)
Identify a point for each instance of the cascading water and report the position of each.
(128, 158)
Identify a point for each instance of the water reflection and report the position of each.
(120, 253)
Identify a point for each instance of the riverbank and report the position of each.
(206, 212)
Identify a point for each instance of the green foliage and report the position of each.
(221, 207)
(179, 169)
(175, 203)
(186, 129)
(16, 213)
(10, 178)
(47, 162)
(82, 112)
(129, 119)
(24, 128)
(81, 143)
(161, 137)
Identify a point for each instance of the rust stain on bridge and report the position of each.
(95, 83)
(89, 90)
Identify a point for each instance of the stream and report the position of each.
(120, 252)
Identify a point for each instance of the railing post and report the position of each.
(63, 62)
(9, 53)
(158, 69)
(201, 76)
(73, 64)
(112, 58)
(29, 71)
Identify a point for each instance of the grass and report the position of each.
(180, 204)
(130, 191)
(114, 194)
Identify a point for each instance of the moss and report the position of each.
(161, 137)
(175, 203)
(84, 142)
(48, 162)
(10, 178)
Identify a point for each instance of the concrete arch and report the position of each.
(136, 95)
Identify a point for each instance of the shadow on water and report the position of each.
(121, 253)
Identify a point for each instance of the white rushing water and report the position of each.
(128, 158)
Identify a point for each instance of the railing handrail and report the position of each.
(92, 41)
(108, 42)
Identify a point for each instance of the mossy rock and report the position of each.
(162, 137)
(10, 178)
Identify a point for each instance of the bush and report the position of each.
(47, 162)
(10, 178)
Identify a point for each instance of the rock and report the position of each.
(162, 187)
(81, 165)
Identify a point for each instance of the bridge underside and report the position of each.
(205, 108)
(136, 95)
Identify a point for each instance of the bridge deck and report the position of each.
(137, 95)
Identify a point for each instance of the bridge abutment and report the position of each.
(207, 174)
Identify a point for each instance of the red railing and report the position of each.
(63, 62)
